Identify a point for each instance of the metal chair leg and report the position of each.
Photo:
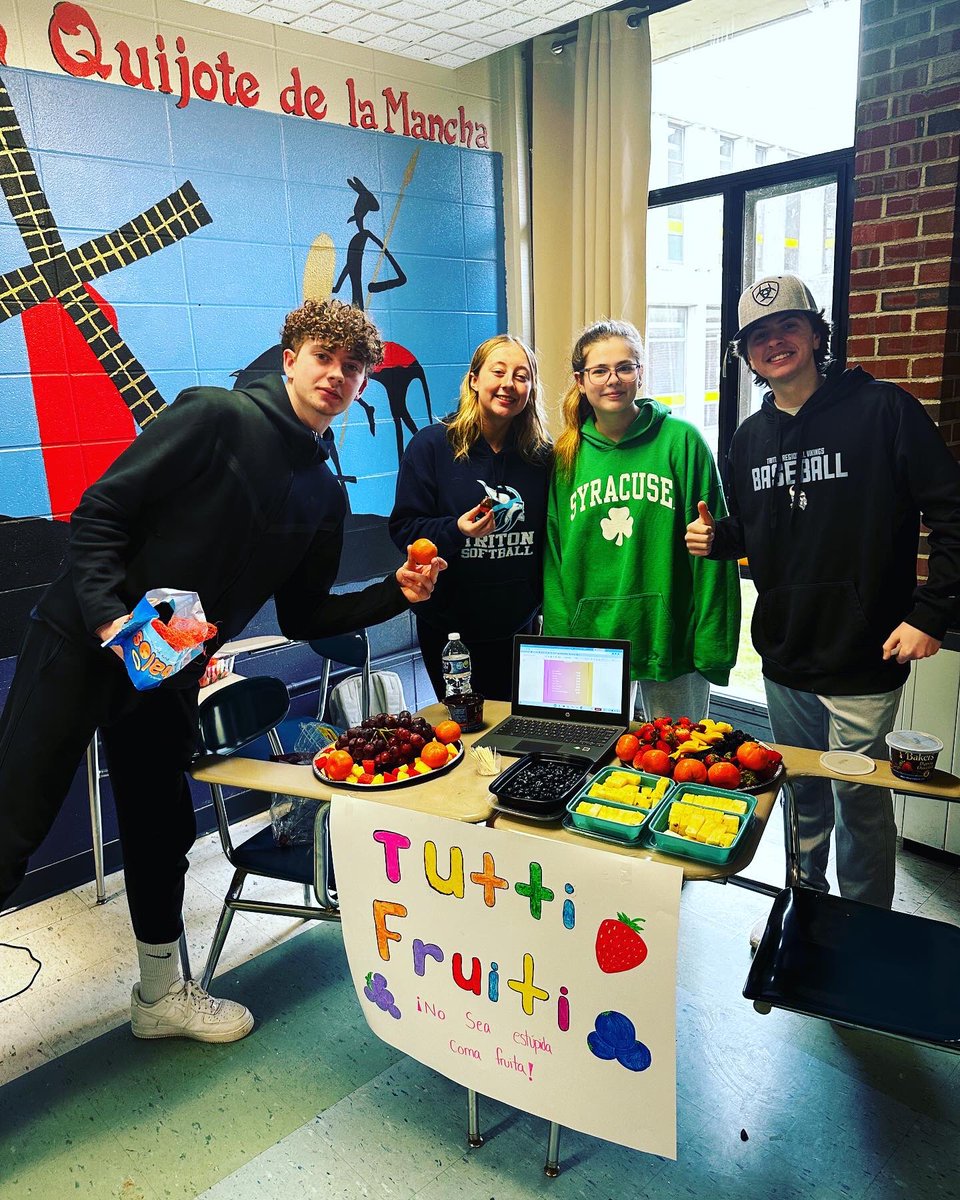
(96, 821)
(551, 1168)
(791, 824)
(223, 928)
(185, 957)
(474, 1136)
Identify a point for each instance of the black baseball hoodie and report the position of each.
(827, 506)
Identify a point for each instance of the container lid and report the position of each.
(845, 762)
(453, 637)
(913, 739)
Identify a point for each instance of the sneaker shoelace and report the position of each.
(198, 998)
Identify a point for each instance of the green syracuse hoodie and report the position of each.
(616, 564)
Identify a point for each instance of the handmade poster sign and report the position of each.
(535, 972)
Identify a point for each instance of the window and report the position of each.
(666, 356)
(713, 83)
(711, 367)
(675, 233)
(791, 234)
(675, 148)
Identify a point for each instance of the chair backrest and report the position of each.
(352, 649)
(237, 715)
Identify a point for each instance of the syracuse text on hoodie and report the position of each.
(827, 506)
(616, 564)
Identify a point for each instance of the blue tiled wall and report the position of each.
(201, 309)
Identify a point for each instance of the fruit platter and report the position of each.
(389, 750)
(701, 752)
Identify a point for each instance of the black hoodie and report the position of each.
(833, 557)
(225, 493)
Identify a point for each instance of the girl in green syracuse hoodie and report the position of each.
(627, 480)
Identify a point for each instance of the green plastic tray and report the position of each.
(613, 829)
(657, 834)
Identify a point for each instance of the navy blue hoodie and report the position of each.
(494, 584)
(827, 507)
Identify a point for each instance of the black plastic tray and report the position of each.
(509, 798)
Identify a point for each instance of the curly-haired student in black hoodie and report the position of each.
(228, 494)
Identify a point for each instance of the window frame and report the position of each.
(732, 188)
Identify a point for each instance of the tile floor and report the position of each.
(312, 1105)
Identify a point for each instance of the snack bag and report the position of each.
(153, 648)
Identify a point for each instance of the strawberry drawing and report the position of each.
(619, 944)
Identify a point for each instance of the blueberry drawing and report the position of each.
(376, 990)
(614, 1036)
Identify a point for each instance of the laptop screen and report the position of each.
(564, 675)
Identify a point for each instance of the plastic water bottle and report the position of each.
(456, 667)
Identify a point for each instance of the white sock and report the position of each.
(159, 969)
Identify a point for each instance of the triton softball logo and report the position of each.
(765, 293)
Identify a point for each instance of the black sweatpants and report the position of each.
(62, 692)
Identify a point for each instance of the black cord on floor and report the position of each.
(26, 950)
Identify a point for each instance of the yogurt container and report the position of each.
(913, 755)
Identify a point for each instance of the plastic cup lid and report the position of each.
(846, 762)
(912, 739)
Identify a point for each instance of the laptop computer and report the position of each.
(569, 696)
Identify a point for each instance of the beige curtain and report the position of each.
(591, 159)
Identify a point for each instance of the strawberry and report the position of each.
(664, 745)
(619, 945)
(647, 732)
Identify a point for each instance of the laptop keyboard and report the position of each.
(555, 731)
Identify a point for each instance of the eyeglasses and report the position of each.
(626, 372)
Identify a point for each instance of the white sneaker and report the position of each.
(188, 1011)
(756, 933)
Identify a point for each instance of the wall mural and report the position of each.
(259, 211)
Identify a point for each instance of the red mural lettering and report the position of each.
(72, 20)
(3, 46)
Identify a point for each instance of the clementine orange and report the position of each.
(654, 762)
(627, 747)
(423, 552)
(339, 765)
(447, 731)
(689, 770)
(434, 754)
(724, 774)
(753, 756)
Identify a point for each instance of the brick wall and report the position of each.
(904, 281)
(905, 266)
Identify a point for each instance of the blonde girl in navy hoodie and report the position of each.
(476, 485)
(626, 482)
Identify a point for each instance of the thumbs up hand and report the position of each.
(699, 536)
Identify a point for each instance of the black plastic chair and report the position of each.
(859, 965)
(352, 650)
(230, 719)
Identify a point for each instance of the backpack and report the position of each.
(386, 696)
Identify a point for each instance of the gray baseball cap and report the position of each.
(774, 294)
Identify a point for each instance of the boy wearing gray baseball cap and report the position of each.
(827, 486)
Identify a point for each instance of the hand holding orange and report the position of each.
(423, 552)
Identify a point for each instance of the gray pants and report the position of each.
(866, 835)
(685, 696)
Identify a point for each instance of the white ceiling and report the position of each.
(448, 33)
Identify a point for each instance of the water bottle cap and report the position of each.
(453, 637)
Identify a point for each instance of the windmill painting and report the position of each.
(237, 217)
